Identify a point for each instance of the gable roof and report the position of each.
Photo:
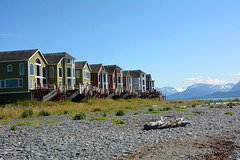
(126, 73)
(95, 67)
(148, 77)
(80, 65)
(111, 68)
(55, 58)
(136, 73)
(20, 55)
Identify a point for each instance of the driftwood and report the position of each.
(161, 124)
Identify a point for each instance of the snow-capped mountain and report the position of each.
(167, 90)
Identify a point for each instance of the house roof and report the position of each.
(80, 65)
(136, 73)
(54, 58)
(126, 73)
(111, 68)
(148, 77)
(19, 55)
(95, 67)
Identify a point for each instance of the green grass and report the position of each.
(229, 113)
(22, 123)
(38, 127)
(97, 119)
(111, 116)
(118, 121)
(5, 123)
(155, 112)
(49, 122)
(210, 108)
(13, 128)
(190, 114)
(181, 110)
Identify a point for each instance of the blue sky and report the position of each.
(180, 42)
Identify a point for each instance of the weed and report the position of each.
(181, 110)
(65, 112)
(80, 116)
(111, 116)
(104, 114)
(128, 107)
(150, 109)
(13, 128)
(155, 112)
(27, 113)
(231, 104)
(97, 110)
(190, 114)
(210, 108)
(135, 113)
(120, 113)
(229, 113)
(198, 112)
(97, 119)
(166, 108)
(194, 105)
(118, 121)
(44, 113)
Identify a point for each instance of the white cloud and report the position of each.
(205, 80)
(235, 75)
(181, 89)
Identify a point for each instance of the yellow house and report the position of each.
(83, 72)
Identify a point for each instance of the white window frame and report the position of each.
(30, 69)
(8, 68)
(21, 73)
(20, 79)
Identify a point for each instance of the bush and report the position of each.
(97, 119)
(229, 113)
(80, 116)
(194, 105)
(44, 113)
(104, 114)
(120, 113)
(97, 109)
(65, 112)
(13, 128)
(166, 108)
(231, 104)
(27, 113)
(150, 109)
(136, 113)
(118, 121)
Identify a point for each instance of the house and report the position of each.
(83, 73)
(127, 81)
(61, 69)
(138, 80)
(21, 71)
(114, 76)
(99, 76)
(149, 83)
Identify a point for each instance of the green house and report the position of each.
(61, 69)
(21, 71)
(83, 72)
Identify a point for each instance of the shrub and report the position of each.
(97, 109)
(27, 113)
(13, 128)
(97, 119)
(166, 108)
(120, 113)
(104, 114)
(44, 113)
(65, 112)
(80, 116)
(150, 109)
(118, 121)
(230, 113)
(135, 113)
(194, 105)
(231, 104)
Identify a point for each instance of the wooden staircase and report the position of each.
(50, 95)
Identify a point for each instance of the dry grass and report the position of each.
(14, 111)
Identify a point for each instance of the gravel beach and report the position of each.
(211, 135)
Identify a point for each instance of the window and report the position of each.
(124, 81)
(142, 75)
(73, 81)
(20, 82)
(9, 68)
(2, 84)
(119, 79)
(73, 72)
(119, 71)
(93, 77)
(44, 72)
(68, 72)
(21, 68)
(78, 74)
(69, 82)
(31, 69)
(104, 78)
(86, 68)
(68, 61)
(72, 61)
(51, 72)
(86, 75)
(129, 80)
(114, 79)
(143, 82)
(60, 71)
(100, 78)
(38, 61)
(31, 83)
(119, 86)
(12, 83)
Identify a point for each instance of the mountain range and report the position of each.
(203, 91)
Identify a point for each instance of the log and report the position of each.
(161, 124)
